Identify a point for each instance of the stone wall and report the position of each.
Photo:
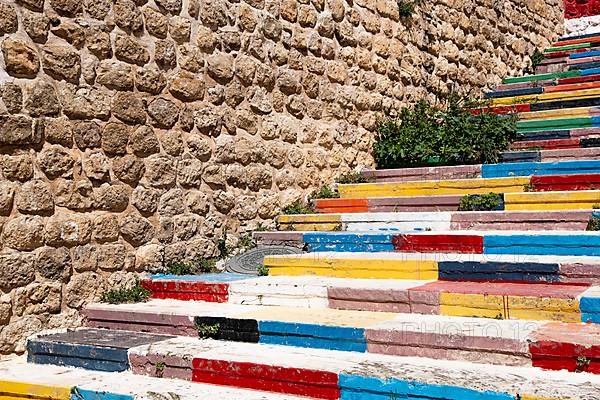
(132, 133)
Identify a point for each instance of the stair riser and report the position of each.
(440, 342)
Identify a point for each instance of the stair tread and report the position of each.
(440, 372)
(15, 371)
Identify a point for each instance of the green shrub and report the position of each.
(446, 133)
(180, 268)
(351, 178)
(298, 207)
(208, 331)
(324, 193)
(406, 8)
(480, 202)
(206, 265)
(263, 271)
(536, 59)
(593, 224)
(134, 294)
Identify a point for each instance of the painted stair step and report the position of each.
(402, 221)
(567, 243)
(90, 349)
(469, 339)
(207, 287)
(547, 144)
(582, 60)
(423, 173)
(390, 204)
(553, 97)
(592, 153)
(559, 113)
(460, 243)
(576, 38)
(475, 267)
(520, 156)
(572, 347)
(504, 183)
(523, 85)
(514, 92)
(587, 142)
(539, 168)
(332, 374)
(555, 102)
(564, 46)
(584, 65)
(560, 200)
(20, 380)
(556, 124)
(566, 182)
(504, 300)
(578, 79)
(541, 77)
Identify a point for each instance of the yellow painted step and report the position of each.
(320, 222)
(539, 201)
(570, 95)
(431, 188)
(352, 268)
(557, 114)
(518, 307)
(24, 390)
(326, 316)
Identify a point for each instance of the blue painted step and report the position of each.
(313, 336)
(351, 242)
(540, 168)
(543, 244)
(93, 349)
(357, 387)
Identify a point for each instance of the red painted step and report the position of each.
(515, 108)
(579, 79)
(472, 244)
(215, 292)
(551, 144)
(574, 347)
(296, 381)
(565, 182)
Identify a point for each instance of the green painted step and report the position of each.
(543, 77)
(552, 124)
(568, 47)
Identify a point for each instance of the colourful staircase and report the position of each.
(398, 294)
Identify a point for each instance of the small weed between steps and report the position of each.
(406, 8)
(536, 59)
(200, 265)
(134, 294)
(499, 316)
(208, 331)
(325, 192)
(298, 207)
(582, 364)
(529, 187)
(593, 224)
(263, 270)
(480, 202)
(261, 228)
(351, 178)
(159, 369)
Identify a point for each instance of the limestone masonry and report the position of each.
(132, 133)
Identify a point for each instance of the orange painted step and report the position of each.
(573, 86)
(332, 206)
